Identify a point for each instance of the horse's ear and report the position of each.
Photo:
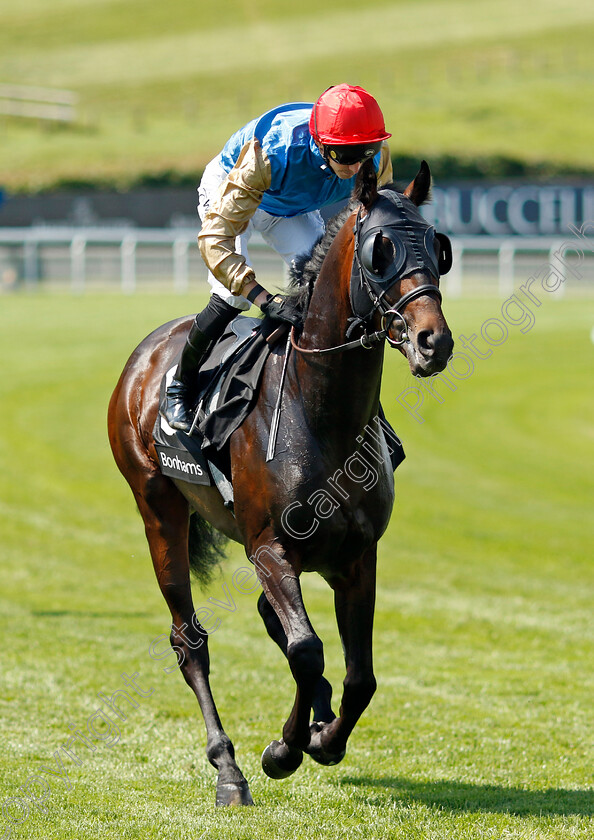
(366, 184)
(419, 190)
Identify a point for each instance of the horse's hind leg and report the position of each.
(321, 703)
(166, 514)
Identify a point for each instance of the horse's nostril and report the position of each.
(426, 340)
(439, 343)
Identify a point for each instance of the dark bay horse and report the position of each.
(313, 507)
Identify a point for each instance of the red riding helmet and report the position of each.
(347, 115)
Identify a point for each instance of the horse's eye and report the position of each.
(383, 252)
(369, 253)
(381, 256)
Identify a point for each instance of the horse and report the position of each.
(311, 507)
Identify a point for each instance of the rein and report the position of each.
(369, 341)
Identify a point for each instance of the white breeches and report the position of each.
(289, 236)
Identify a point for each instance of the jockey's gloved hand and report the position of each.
(280, 308)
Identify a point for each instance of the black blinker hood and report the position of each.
(396, 218)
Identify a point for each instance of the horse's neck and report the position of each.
(342, 388)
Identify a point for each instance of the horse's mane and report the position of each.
(305, 269)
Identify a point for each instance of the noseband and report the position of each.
(389, 314)
(411, 238)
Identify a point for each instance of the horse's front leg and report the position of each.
(304, 653)
(322, 699)
(354, 602)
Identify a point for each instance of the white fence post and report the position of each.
(78, 248)
(557, 249)
(507, 252)
(128, 252)
(31, 262)
(181, 265)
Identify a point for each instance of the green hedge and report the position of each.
(443, 168)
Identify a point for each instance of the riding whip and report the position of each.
(277, 408)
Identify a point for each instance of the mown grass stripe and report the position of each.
(409, 27)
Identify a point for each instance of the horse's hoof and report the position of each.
(315, 749)
(280, 761)
(229, 793)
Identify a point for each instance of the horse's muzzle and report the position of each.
(430, 351)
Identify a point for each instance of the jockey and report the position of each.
(272, 176)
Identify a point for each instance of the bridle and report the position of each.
(363, 273)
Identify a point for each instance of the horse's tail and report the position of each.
(206, 549)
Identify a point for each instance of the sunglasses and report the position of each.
(351, 154)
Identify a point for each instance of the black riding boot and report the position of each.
(208, 326)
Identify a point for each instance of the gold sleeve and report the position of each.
(385, 174)
(236, 202)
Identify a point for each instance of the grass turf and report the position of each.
(161, 87)
(481, 726)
